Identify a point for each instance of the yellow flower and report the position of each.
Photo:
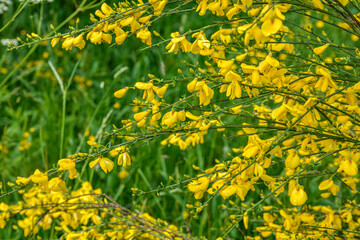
(199, 186)
(321, 49)
(201, 8)
(228, 191)
(141, 115)
(318, 4)
(124, 159)
(119, 39)
(205, 92)
(298, 196)
(349, 167)
(251, 150)
(246, 220)
(169, 119)
(106, 9)
(325, 195)
(144, 86)
(293, 160)
(334, 189)
(161, 91)
(57, 184)
(68, 164)
(120, 93)
(272, 61)
(150, 90)
(22, 181)
(191, 86)
(39, 177)
(4, 207)
(233, 11)
(123, 174)
(97, 37)
(241, 57)
(79, 41)
(271, 26)
(234, 90)
(201, 45)
(178, 42)
(55, 41)
(71, 41)
(158, 6)
(145, 19)
(68, 43)
(326, 184)
(192, 116)
(279, 113)
(106, 164)
(145, 36)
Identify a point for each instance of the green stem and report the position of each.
(14, 16)
(40, 18)
(63, 123)
(3, 158)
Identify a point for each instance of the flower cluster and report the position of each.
(118, 23)
(82, 214)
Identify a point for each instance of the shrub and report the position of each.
(278, 80)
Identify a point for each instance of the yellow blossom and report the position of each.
(124, 159)
(326, 184)
(68, 164)
(120, 93)
(199, 186)
(123, 174)
(321, 49)
(22, 181)
(106, 164)
(298, 196)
